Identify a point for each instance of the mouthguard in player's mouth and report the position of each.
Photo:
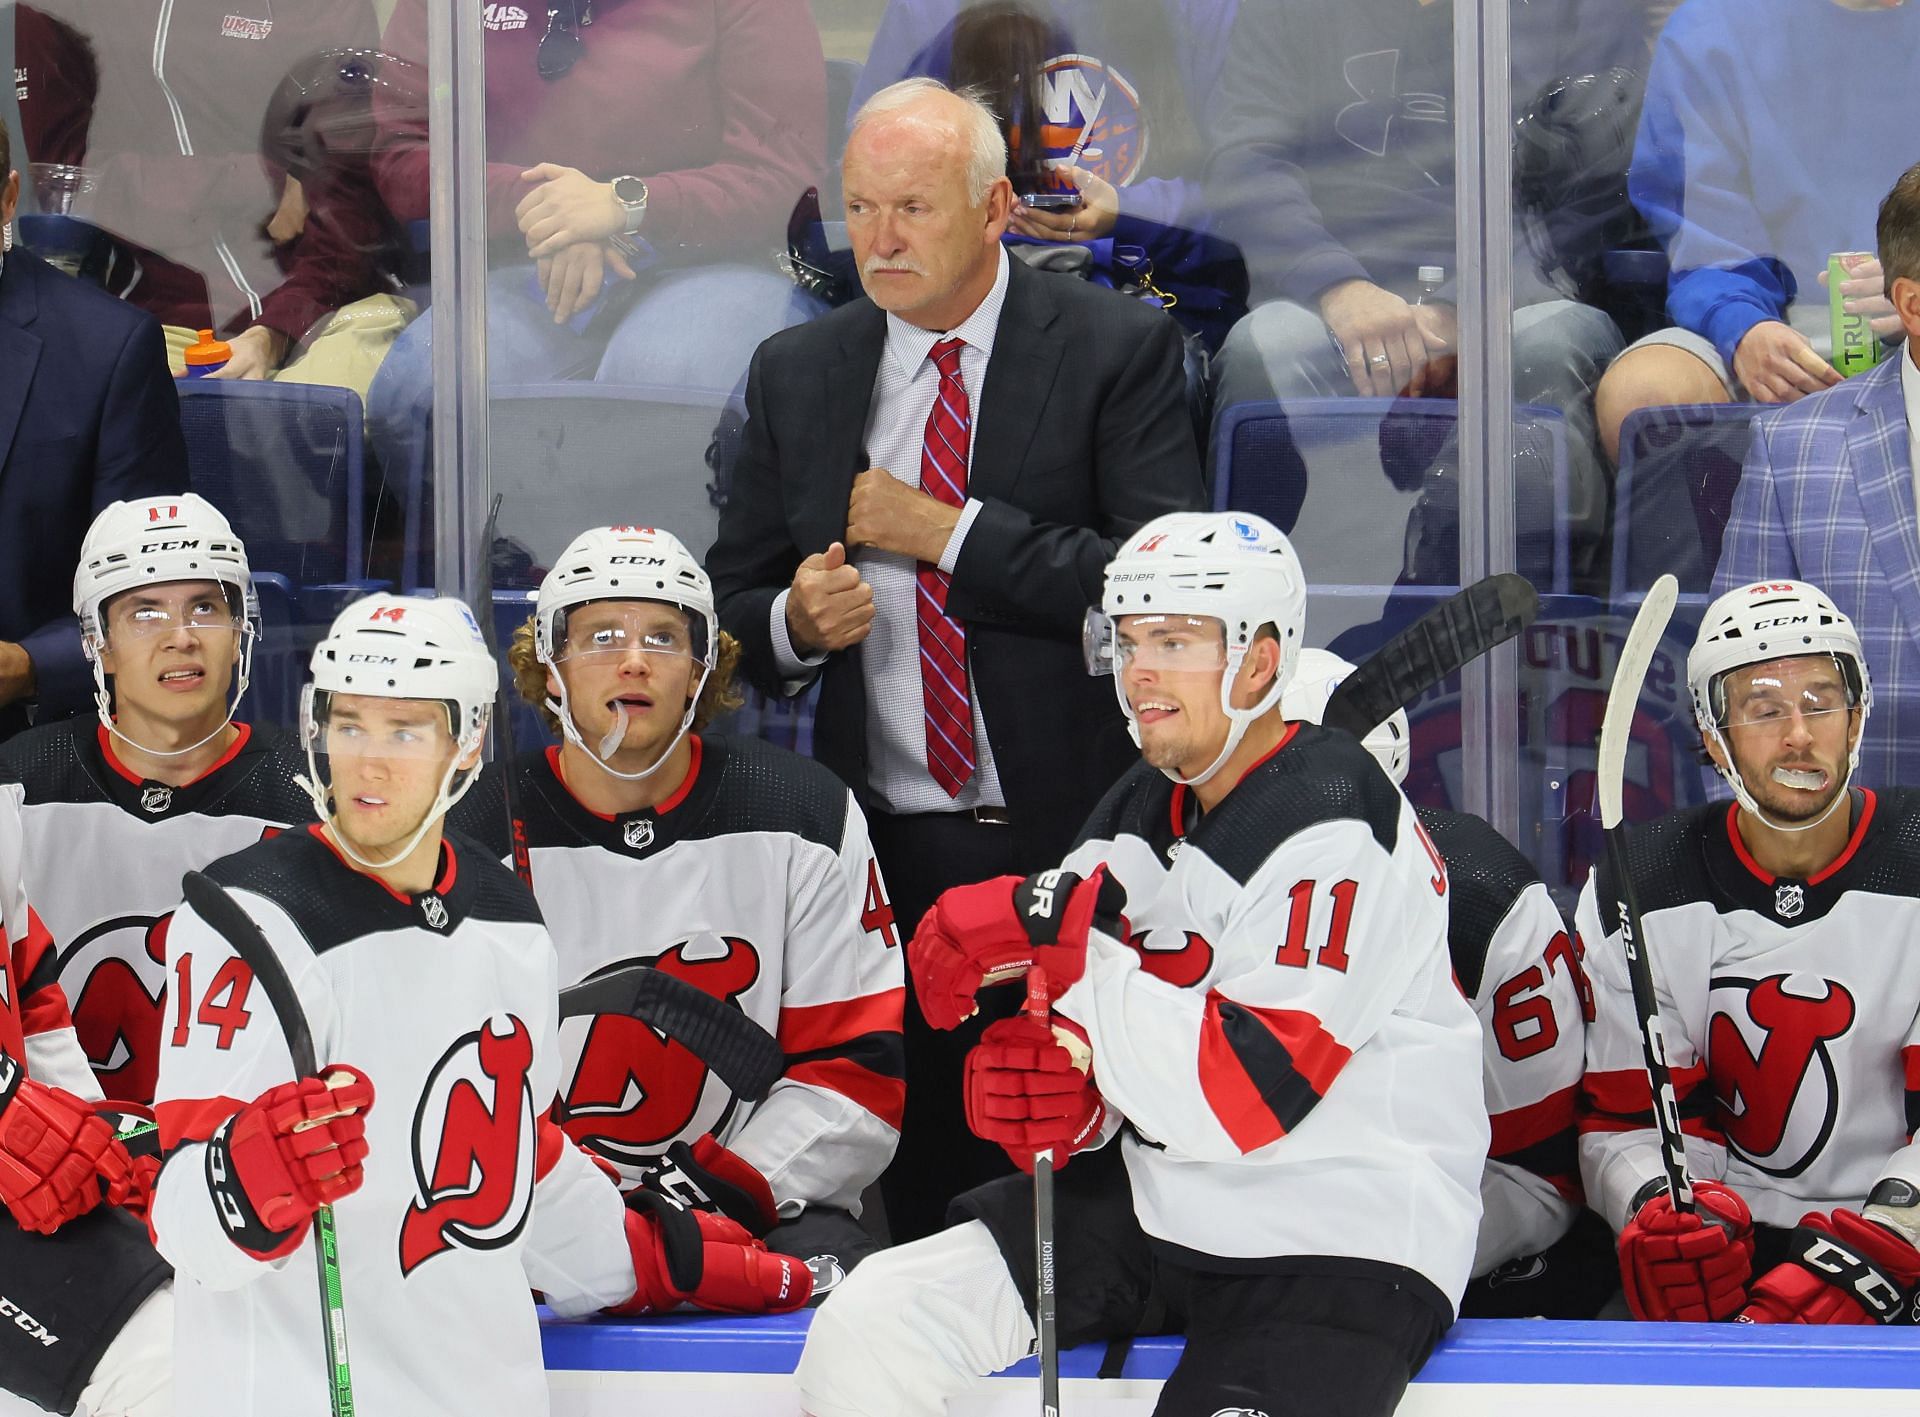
(1804, 779)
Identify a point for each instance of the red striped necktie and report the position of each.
(943, 640)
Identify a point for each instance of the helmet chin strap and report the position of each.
(103, 704)
(563, 710)
(443, 802)
(1744, 796)
(1238, 720)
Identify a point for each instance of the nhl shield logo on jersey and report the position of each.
(637, 835)
(1772, 1071)
(156, 798)
(435, 911)
(633, 1090)
(1789, 901)
(473, 1146)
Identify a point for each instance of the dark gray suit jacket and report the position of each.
(1081, 435)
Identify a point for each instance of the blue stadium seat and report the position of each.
(284, 463)
(567, 456)
(1679, 465)
(1369, 489)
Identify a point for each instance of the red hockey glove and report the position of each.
(136, 1139)
(1026, 1091)
(690, 1256)
(995, 931)
(54, 1152)
(291, 1150)
(1844, 1269)
(706, 1176)
(1691, 1267)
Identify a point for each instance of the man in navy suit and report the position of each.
(88, 416)
(1828, 496)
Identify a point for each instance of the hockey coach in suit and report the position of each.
(931, 481)
(88, 416)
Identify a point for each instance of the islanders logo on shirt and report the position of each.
(1091, 109)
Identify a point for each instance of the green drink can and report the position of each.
(1856, 348)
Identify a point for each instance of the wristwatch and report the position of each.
(631, 194)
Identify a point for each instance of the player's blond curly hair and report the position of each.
(719, 695)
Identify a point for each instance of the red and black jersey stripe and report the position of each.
(1264, 1070)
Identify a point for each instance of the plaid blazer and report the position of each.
(1827, 496)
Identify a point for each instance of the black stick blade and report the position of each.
(1453, 634)
(741, 1053)
(227, 919)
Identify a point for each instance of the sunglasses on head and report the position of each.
(561, 46)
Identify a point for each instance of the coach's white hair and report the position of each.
(987, 149)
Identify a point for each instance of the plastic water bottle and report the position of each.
(1856, 348)
(207, 355)
(1431, 278)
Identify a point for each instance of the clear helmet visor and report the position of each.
(1164, 644)
(382, 770)
(607, 630)
(1779, 695)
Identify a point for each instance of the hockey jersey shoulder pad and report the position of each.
(481, 813)
(1317, 775)
(1485, 875)
(1139, 804)
(1666, 857)
(1893, 867)
(498, 894)
(761, 787)
(48, 761)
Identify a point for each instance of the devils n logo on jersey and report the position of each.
(473, 1146)
(114, 976)
(1769, 1062)
(633, 1090)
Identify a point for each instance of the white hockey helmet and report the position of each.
(402, 647)
(151, 542)
(1233, 567)
(624, 563)
(1315, 676)
(1763, 621)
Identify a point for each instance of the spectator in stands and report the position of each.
(931, 483)
(1827, 496)
(1097, 98)
(88, 416)
(1333, 170)
(159, 106)
(641, 172)
(1750, 170)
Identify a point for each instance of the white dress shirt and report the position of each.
(1910, 386)
(903, 393)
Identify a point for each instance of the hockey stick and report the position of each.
(742, 1054)
(224, 914)
(1455, 632)
(1045, 1319)
(1616, 729)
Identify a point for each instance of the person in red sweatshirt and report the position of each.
(643, 160)
(162, 104)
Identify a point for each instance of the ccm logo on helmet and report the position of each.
(636, 560)
(371, 659)
(182, 544)
(1782, 621)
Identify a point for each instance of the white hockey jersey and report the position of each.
(36, 1028)
(448, 1002)
(755, 881)
(1281, 1029)
(1791, 1011)
(1520, 965)
(102, 860)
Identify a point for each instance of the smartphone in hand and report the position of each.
(1053, 201)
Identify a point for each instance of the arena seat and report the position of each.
(1679, 466)
(566, 456)
(1369, 489)
(284, 462)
